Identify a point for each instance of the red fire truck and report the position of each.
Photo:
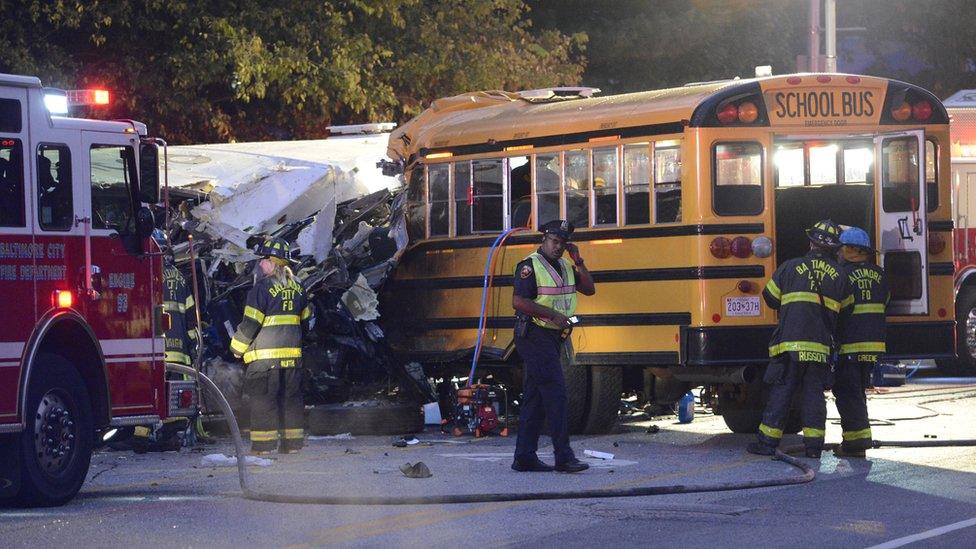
(962, 112)
(81, 348)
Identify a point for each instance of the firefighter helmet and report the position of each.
(274, 248)
(857, 238)
(824, 233)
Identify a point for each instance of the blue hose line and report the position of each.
(484, 305)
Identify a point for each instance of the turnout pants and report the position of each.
(786, 376)
(543, 395)
(852, 378)
(276, 409)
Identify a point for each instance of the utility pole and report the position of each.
(813, 53)
(830, 9)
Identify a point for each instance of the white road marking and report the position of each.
(926, 534)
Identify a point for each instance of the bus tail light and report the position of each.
(762, 246)
(741, 247)
(721, 247)
(746, 287)
(937, 243)
(62, 299)
(748, 112)
(901, 112)
(922, 110)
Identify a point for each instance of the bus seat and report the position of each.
(522, 212)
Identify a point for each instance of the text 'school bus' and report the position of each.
(81, 349)
(687, 199)
(962, 116)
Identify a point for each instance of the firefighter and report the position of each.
(269, 338)
(861, 335)
(544, 299)
(179, 341)
(808, 292)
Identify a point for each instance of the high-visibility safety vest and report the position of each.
(276, 318)
(178, 303)
(807, 320)
(553, 290)
(862, 322)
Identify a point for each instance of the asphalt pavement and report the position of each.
(895, 496)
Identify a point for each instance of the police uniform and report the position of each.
(551, 284)
(269, 338)
(862, 339)
(808, 292)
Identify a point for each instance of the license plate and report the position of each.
(742, 306)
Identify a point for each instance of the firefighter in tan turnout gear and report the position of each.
(808, 292)
(269, 338)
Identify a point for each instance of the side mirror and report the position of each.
(149, 173)
(145, 222)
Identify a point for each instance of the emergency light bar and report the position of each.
(94, 97)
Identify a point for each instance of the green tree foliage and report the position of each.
(217, 70)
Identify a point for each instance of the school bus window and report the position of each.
(463, 197)
(438, 194)
(899, 164)
(823, 164)
(520, 195)
(577, 185)
(416, 205)
(605, 185)
(111, 170)
(487, 202)
(667, 183)
(11, 183)
(547, 172)
(931, 175)
(858, 163)
(55, 203)
(11, 120)
(790, 168)
(737, 178)
(637, 177)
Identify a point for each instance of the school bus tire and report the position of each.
(577, 379)
(742, 420)
(606, 386)
(965, 364)
(57, 404)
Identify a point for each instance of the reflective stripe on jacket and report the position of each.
(275, 320)
(805, 326)
(861, 329)
(552, 289)
(178, 303)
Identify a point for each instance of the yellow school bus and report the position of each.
(685, 201)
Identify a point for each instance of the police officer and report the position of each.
(544, 300)
(862, 338)
(808, 292)
(269, 338)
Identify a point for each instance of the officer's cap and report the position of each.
(559, 227)
(824, 233)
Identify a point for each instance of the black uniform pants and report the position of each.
(786, 376)
(851, 380)
(276, 409)
(543, 395)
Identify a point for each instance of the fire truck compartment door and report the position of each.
(902, 232)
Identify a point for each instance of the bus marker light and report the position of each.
(609, 241)
(741, 247)
(936, 243)
(853, 79)
(62, 299)
(823, 79)
(762, 246)
(439, 155)
(748, 112)
(728, 114)
(942, 312)
(716, 318)
(922, 110)
(746, 287)
(794, 80)
(901, 112)
(721, 247)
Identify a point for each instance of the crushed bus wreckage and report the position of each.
(329, 199)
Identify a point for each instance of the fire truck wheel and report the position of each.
(365, 418)
(577, 382)
(56, 446)
(965, 365)
(606, 386)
